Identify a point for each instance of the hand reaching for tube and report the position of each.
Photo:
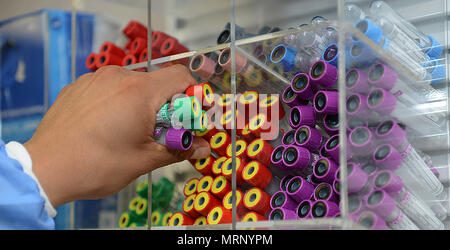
(98, 135)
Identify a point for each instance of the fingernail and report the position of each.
(201, 153)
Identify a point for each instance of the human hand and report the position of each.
(98, 135)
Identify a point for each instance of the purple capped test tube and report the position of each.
(355, 122)
(419, 212)
(357, 180)
(177, 139)
(284, 181)
(324, 191)
(387, 157)
(372, 221)
(337, 186)
(302, 85)
(323, 74)
(356, 81)
(302, 115)
(325, 170)
(282, 214)
(288, 137)
(304, 209)
(331, 147)
(385, 206)
(362, 141)
(298, 158)
(381, 76)
(299, 189)
(330, 123)
(291, 98)
(356, 205)
(322, 209)
(281, 199)
(356, 106)
(308, 137)
(326, 102)
(277, 157)
(414, 168)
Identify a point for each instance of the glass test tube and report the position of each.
(428, 44)
(414, 208)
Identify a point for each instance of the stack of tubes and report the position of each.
(136, 48)
(386, 176)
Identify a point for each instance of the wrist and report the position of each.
(18, 152)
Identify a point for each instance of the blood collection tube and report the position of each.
(413, 166)
(331, 149)
(262, 127)
(204, 202)
(385, 206)
(299, 158)
(224, 102)
(204, 166)
(246, 133)
(357, 180)
(324, 191)
(179, 110)
(219, 143)
(138, 45)
(241, 149)
(356, 205)
(225, 34)
(210, 131)
(253, 217)
(372, 221)
(302, 115)
(272, 107)
(91, 62)
(356, 81)
(180, 219)
(276, 157)
(416, 209)
(225, 61)
(323, 208)
(110, 48)
(303, 86)
(141, 208)
(331, 55)
(165, 219)
(385, 103)
(362, 141)
(158, 39)
(204, 93)
(188, 206)
(299, 189)
(129, 59)
(190, 187)
(228, 167)
(356, 106)
(281, 199)
(258, 175)
(248, 102)
(135, 29)
(106, 58)
(282, 214)
(284, 55)
(304, 209)
(309, 138)
(288, 137)
(203, 66)
(326, 102)
(331, 123)
(227, 202)
(226, 120)
(323, 74)
(172, 46)
(217, 166)
(257, 200)
(177, 139)
(219, 215)
(325, 169)
(284, 181)
(220, 186)
(261, 151)
(291, 98)
(427, 43)
(201, 220)
(205, 184)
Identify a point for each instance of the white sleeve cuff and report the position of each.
(19, 153)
